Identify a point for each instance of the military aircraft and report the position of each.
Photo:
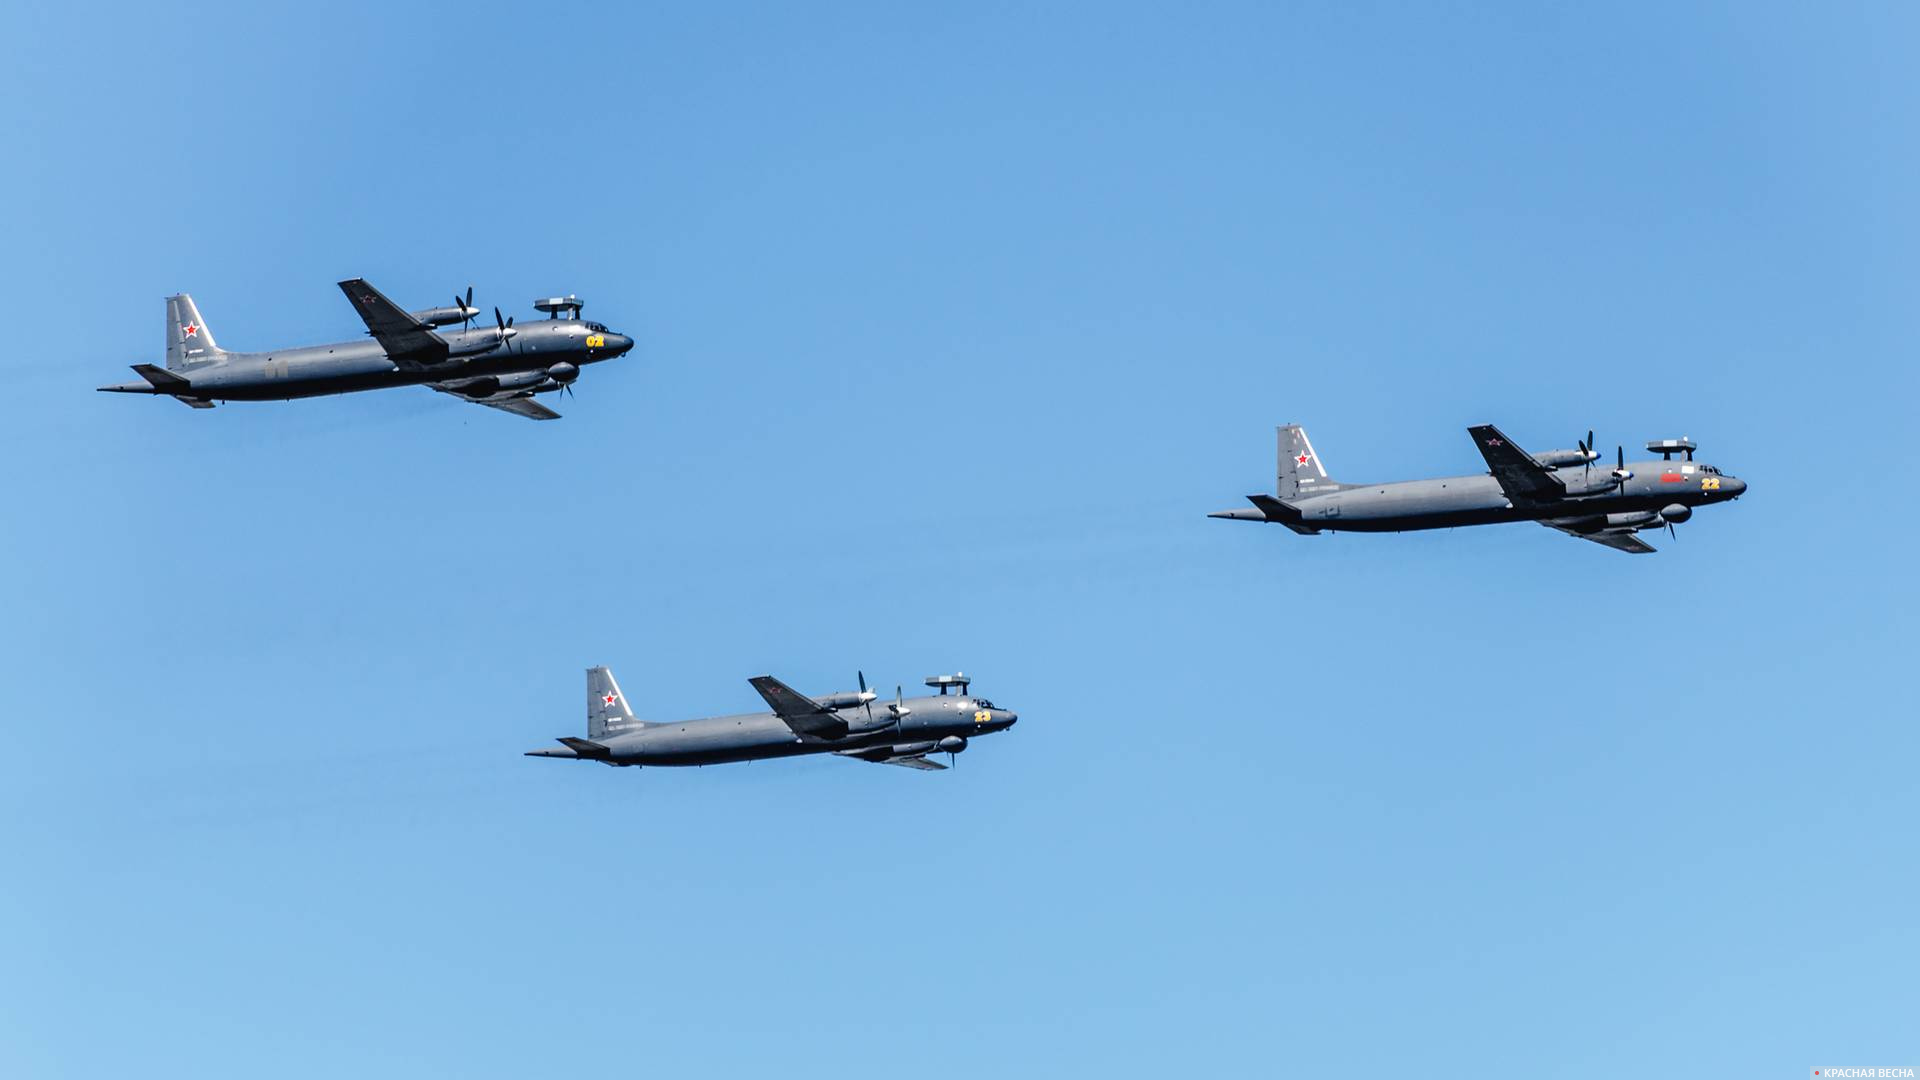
(900, 732)
(500, 366)
(1559, 489)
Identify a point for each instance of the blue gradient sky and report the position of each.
(953, 326)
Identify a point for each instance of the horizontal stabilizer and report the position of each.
(586, 748)
(1268, 508)
(158, 380)
(163, 380)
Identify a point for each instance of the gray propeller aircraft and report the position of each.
(900, 732)
(1559, 489)
(500, 366)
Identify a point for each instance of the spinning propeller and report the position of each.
(1587, 451)
(505, 325)
(1621, 474)
(467, 310)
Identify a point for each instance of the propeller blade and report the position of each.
(867, 701)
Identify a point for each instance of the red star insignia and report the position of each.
(189, 330)
(1493, 442)
(611, 699)
(1302, 459)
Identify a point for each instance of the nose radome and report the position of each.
(1736, 485)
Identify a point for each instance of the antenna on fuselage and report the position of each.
(942, 682)
(554, 306)
(1666, 448)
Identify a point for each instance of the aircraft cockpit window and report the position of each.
(982, 703)
(1712, 470)
(596, 328)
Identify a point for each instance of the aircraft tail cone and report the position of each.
(553, 751)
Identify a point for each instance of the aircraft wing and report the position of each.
(1627, 540)
(1522, 478)
(883, 756)
(514, 402)
(911, 761)
(801, 713)
(409, 342)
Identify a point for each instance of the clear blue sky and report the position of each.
(953, 326)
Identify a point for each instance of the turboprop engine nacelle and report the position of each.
(1633, 520)
(474, 342)
(487, 385)
(862, 724)
(446, 316)
(1676, 513)
(563, 373)
(952, 744)
(1553, 459)
(848, 700)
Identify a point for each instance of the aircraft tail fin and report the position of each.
(189, 342)
(607, 709)
(1301, 474)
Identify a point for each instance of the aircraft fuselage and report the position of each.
(349, 366)
(1453, 501)
(754, 736)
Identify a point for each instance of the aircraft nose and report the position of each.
(1012, 717)
(1735, 487)
(619, 344)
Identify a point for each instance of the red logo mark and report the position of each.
(1493, 442)
(189, 330)
(611, 699)
(1672, 478)
(1303, 459)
